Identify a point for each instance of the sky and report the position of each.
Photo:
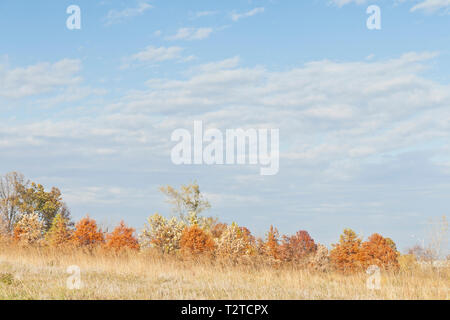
(363, 115)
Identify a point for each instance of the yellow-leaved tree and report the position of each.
(60, 232)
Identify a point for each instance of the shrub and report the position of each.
(297, 248)
(195, 240)
(87, 233)
(29, 229)
(59, 233)
(377, 251)
(122, 237)
(234, 243)
(161, 233)
(320, 260)
(218, 229)
(345, 255)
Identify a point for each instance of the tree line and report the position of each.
(32, 216)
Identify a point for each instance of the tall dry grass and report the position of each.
(40, 273)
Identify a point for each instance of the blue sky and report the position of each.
(364, 115)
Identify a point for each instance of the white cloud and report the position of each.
(341, 3)
(334, 117)
(191, 34)
(39, 78)
(430, 6)
(160, 54)
(201, 14)
(116, 16)
(251, 13)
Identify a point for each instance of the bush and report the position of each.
(195, 240)
(377, 251)
(297, 248)
(87, 234)
(320, 260)
(218, 229)
(29, 230)
(59, 233)
(234, 243)
(345, 255)
(122, 237)
(162, 234)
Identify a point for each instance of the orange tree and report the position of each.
(122, 237)
(297, 247)
(378, 251)
(195, 240)
(345, 255)
(87, 233)
(272, 245)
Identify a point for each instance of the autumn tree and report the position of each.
(345, 255)
(195, 240)
(272, 245)
(47, 204)
(122, 237)
(298, 247)
(60, 232)
(377, 251)
(391, 244)
(234, 243)
(161, 233)
(187, 202)
(320, 259)
(87, 233)
(29, 229)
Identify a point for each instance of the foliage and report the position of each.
(218, 229)
(377, 251)
(46, 204)
(391, 244)
(122, 237)
(320, 260)
(162, 233)
(195, 240)
(345, 255)
(29, 229)
(234, 243)
(60, 232)
(187, 201)
(87, 234)
(272, 246)
(297, 248)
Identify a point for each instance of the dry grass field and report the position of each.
(41, 273)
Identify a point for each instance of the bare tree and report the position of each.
(438, 235)
(9, 198)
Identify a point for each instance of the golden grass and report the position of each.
(40, 273)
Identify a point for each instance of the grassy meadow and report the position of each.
(41, 273)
